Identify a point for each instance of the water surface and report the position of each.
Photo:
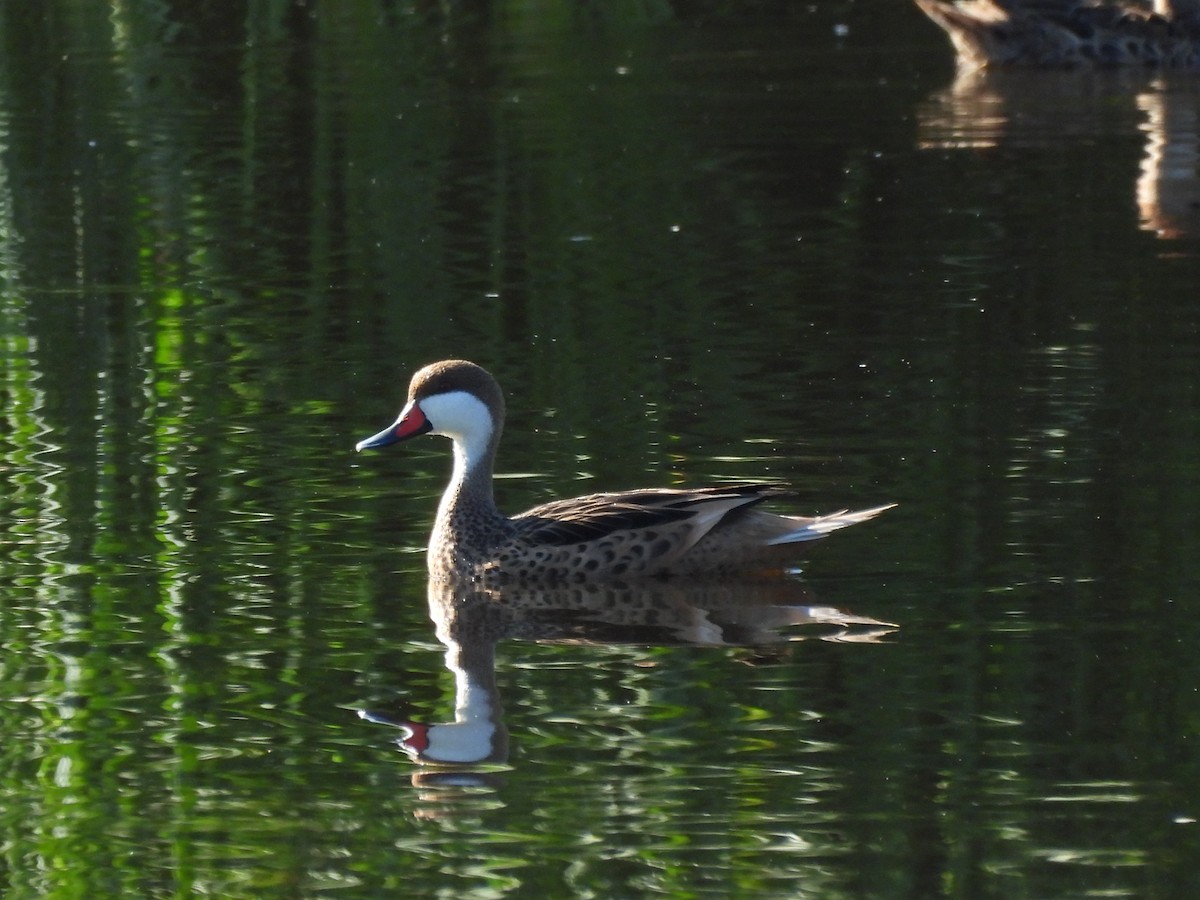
(696, 243)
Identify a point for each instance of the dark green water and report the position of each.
(696, 241)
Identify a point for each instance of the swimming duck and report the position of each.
(1070, 33)
(654, 532)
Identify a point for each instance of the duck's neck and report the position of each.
(469, 492)
(468, 522)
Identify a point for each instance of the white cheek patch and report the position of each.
(464, 419)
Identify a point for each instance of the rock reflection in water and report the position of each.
(984, 109)
(470, 622)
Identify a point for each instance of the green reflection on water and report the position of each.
(695, 246)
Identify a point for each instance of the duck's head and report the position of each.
(454, 398)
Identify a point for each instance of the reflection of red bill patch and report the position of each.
(418, 738)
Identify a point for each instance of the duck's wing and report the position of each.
(582, 520)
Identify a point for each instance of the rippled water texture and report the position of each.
(696, 242)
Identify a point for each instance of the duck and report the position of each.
(1067, 34)
(618, 536)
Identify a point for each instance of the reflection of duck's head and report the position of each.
(477, 733)
(453, 743)
(1070, 33)
(626, 535)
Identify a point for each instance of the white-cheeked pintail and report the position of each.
(655, 532)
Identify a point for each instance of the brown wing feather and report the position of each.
(583, 519)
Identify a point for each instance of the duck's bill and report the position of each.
(411, 423)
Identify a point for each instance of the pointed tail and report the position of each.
(813, 529)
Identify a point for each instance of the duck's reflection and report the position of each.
(1168, 185)
(470, 622)
(985, 108)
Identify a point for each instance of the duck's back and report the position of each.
(1070, 33)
